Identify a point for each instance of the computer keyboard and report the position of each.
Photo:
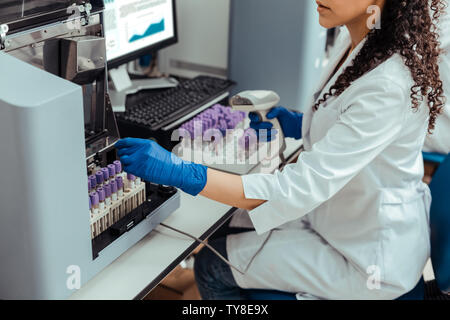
(160, 110)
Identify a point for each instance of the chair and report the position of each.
(433, 157)
(440, 245)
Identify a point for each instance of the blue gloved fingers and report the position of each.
(261, 125)
(274, 112)
(123, 143)
(128, 142)
(122, 152)
(127, 151)
(254, 117)
(126, 160)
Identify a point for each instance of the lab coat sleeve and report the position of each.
(367, 124)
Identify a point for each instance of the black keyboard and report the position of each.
(162, 109)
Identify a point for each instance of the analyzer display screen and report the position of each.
(132, 25)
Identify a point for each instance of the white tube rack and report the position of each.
(133, 196)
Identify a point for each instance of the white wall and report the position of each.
(203, 39)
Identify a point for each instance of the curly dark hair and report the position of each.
(409, 28)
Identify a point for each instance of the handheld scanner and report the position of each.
(259, 102)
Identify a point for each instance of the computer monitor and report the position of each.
(136, 27)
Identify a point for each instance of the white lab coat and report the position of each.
(439, 141)
(353, 210)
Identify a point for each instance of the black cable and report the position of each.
(206, 244)
(216, 252)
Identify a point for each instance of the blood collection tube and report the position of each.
(100, 179)
(113, 185)
(119, 181)
(89, 186)
(118, 166)
(131, 180)
(107, 188)
(101, 198)
(119, 169)
(105, 172)
(112, 171)
(93, 181)
(95, 202)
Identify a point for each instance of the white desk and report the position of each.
(141, 268)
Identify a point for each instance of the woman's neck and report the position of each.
(358, 31)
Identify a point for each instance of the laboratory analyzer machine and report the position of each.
(67, 207)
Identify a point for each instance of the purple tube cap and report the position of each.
(113, 186)
(105, 172)
(131, 177)
(119, 181)
(94, 198)
(93, 181)
(101, 194)
(118, 166)
(107, 190)
(99, 176)
(112, 170)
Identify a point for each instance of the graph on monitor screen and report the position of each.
(136, 33)
(135, 24)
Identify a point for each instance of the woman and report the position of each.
(349, 220)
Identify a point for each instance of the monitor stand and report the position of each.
(124, 86)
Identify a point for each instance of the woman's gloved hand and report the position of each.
(150, 161)
(290, 122)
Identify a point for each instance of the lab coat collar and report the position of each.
(343, 43)
(342, 50)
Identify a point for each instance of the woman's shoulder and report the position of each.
(392, 71)
(388, 83)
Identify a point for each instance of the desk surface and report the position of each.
(143, 266)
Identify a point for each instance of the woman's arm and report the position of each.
(228, 189)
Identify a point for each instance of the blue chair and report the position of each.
(440, 225)
(440, 246)
(433, 157)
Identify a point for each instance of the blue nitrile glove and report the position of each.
(290, 122)
(153, 163)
